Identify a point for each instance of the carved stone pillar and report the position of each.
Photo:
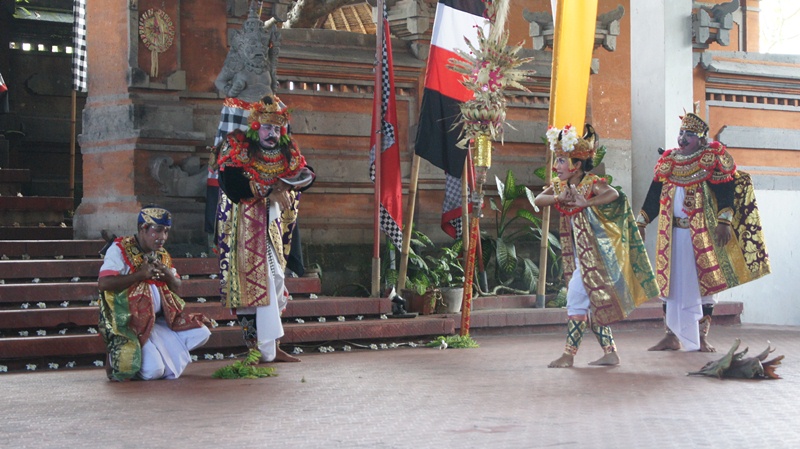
(138, 129)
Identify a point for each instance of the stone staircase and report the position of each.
(48, 310)
(31, 217)
(48, 313)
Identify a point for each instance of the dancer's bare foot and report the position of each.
(565, 361)
(705, 346)
(670, 342)
(610, 359)
(283, 356)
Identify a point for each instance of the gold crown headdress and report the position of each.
(692, 122)
(566, 143)
(269, 109)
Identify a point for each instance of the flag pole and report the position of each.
(412, 201)
(377, 100)
(72, 145)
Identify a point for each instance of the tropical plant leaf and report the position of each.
(493, 205)
(553, 241)
(530, 274)
(541, 173)
(528, 215)
(391, 277)
(489, 247)
(506, 257)
(424, 239)
(599, 155)
(511, 185)
(531, 197)
(501, 188)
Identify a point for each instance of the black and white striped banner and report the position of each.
(79, 62)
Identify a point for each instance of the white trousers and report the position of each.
(268, 318)
(577, 299)
(166, 353)
(684, 303)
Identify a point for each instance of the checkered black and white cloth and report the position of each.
(230, 120)
(389, 226)
(452, 205)
(80, 81)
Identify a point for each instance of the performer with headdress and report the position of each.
(147, 333)
(248, 74)
(709, 233)
(261, 175)
(606, 267)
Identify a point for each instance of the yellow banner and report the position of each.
(573, 43)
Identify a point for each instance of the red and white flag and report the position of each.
(391, 194)
(436, 137)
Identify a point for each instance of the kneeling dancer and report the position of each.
(147, 333)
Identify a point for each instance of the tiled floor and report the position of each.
(501, 395)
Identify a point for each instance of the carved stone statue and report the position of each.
(249, 71)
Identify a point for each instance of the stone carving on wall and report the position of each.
(250, 69)
(542, 29)
(410, 20)
(185, 179)
(713, 24)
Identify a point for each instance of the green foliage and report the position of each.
(560, 300)
(430, 267)
(245, 369)
(500, 250)
(453, 341)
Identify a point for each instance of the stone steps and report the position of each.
(54, 321)
(31, 217)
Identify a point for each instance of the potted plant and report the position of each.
(448, 275)
(435, 278)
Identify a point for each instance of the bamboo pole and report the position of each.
(540, 289)
(72, 127)
(377, 100)
(412, 201)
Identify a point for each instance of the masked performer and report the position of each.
(261, 175)
(605, 263)
(709, 233)
(147, 333)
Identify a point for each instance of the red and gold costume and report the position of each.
(604, 261)
(614, 267)
(128, 317)
(692, 195)
(254, 232)
(714, 192)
